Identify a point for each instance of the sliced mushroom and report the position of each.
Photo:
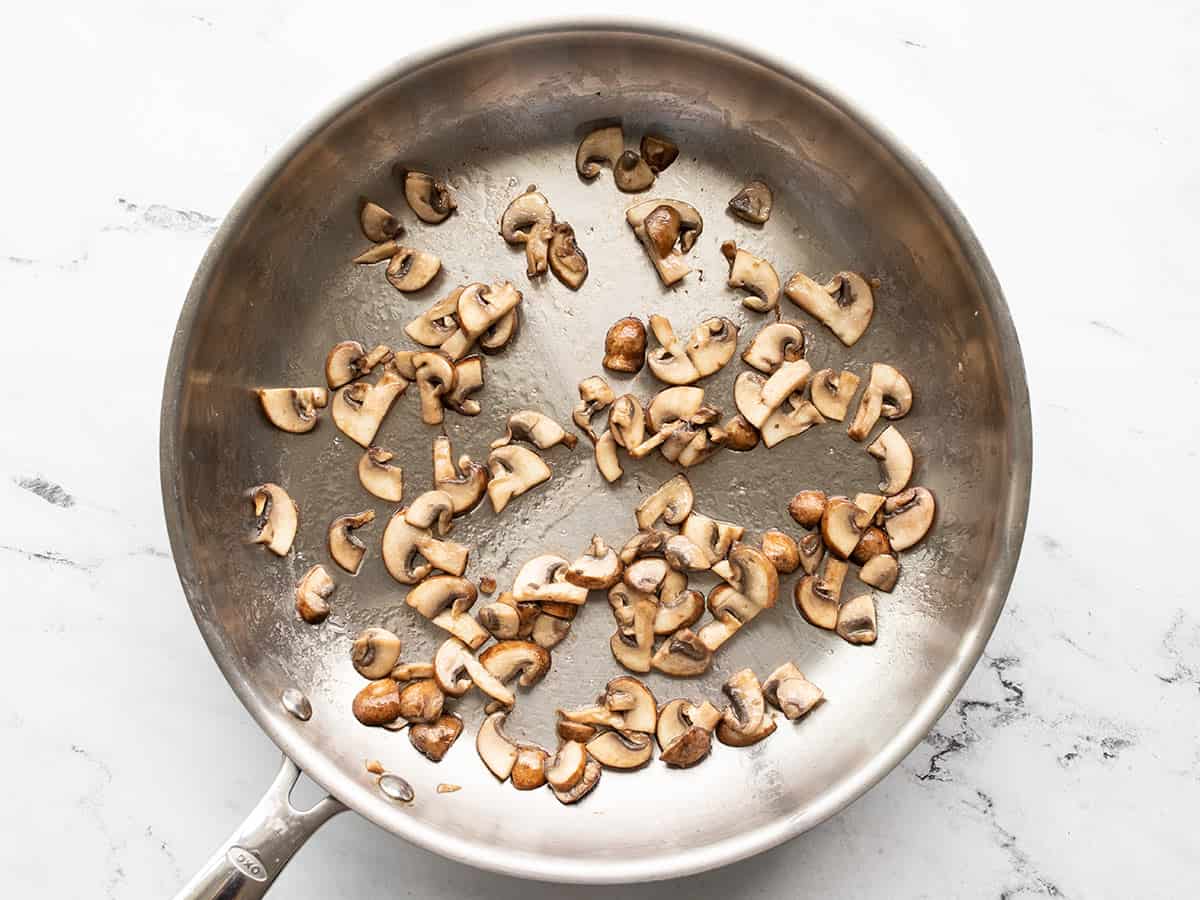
(684, 555)
(428, 197)
(509, 659)
(790, 378)
(887, 394)
(380, 478)
(633, 646)
(646, 575)
(699, 447)
(713, 535)
(421, 701)
(856, 620)
(585, 785)
(568, 263)
(594, 396)
(807, 508)
(401, 363)
(644, 543)
(812, 549)
(790, 692)
(712, 344)
(832, 392)
(752, 576)
(745, 722)
(498, 753)
(378, 703)
(672, 503)
(358, 409)
(348, 360)
(501, 618)
(529, 770)
(498, 335)
(566, 768)
(436, 378)
(881, 572)
(464, 484)
(468, 378)
(627, 421)
(677, 609)
(604, 145)
(674, 404)
(606, 457)
(431, 510)
(375, 653)
(817, 597)
(874, 541)
(682, 655)
(752, 203)
(597, 715)
(410, 270)
(842, 526)
(630, 697)
(671, 267)
(658, 152)
(378, 225)
(536, 428)
(663, 225)
(753, 274)
(907, 517)
(621, 749)
(781, 549)
(575, 731)
(598, 569)
(786, 423)
(433, 740)
(631, 173)
(736, 434)
(293, 409)
(446, 600)
(344, 546)
(774, 345)
(870, 504)
(514, 470)
(670, 362)
(403, 672)
(312, 595)
(455, 669)
(681, 742)
(544, 578)
(276, 518)
(377, 253)
(713, 635)
(403, 544)
(479, 308)
(529, 220)
(625, 345)
(844, 304)
(747, 396)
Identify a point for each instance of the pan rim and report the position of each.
(315, 762)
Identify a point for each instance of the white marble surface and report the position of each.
(1069, 766)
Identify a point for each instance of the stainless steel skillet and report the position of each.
(492, 115)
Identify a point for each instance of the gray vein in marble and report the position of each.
(92, 805)
(1108, 329)
(1175, 643)
(49, 556)
(47, 490)
(1032, 881)
(166, 851)
(168, 218)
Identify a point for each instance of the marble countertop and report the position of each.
(1070, 764)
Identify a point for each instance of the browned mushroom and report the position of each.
(625, 345)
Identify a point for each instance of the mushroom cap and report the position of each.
(568, 263)
(645, 575)
(817, 597)
(641, 709)
(378, 477)
(598, 569)
(856, 620)
(832, 392)
(662, 225)
(672, 405)
(313, 593)
(498, 753)
(276, 517)
(658, 152)
(691, 223)
(712, 535)
(342, 363)
(344, 546)
(631, 173)
(775, 344)
(431, 510)
(621, 749)
(585, 785)
(410, 269)
(500, 619)
(688, 749)
(747, 705)
(434, 739)
(535, 427)
(840, 526)
(375, 652)
(435, 595)
(807, 508)
(672, 721)
(378, 225)
(754, 576)
(752, 203)
(625, 345)
(812, 550)
(894, 388)
(421, 700)
(737, 434)
(293, 409)
(881, 572)
(844, 305)
(682, 655)
(781, 549)
(684, 555)
(712, 344)
(873, 542)
(526, 211)
(627, 421)
(907, 516)
(450, 669)
(603, 145)
(671, 267)
(672, 502)
(507, 659)
(566, 768)
(753, 274)
(378, 703)
(428, 197)
(529, 770)
(514, 470)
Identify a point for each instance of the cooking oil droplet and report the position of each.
(297, 704)
(396, 787)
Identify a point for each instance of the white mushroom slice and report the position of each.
(604, 145)
(832, 392)
(455, 669)
(844, 304)
(753, 577)
(842, 525)
(380, 478)
(881, 572)
(434, 596)
(585, 785)
(465, 483)
(482, 306)
(347, 360)
(895, 460)
(312, 595)
(781, 549)
(656, 440)
(536, 428)
(378, 225)
(432, 510)
(428, 197)
(644, 543)
(817, 597)
(790, 692)
(276, 517)
(498, 753)
(514, 470)
(498, 335)
(437, 323)
(745, 722)
(401, 364)
(621, 749)
(672, 503)
(293, 409)
(566, 769)
(790, 378)
(677, 610)
(747, 397)
(907, 517)
(856, 620)
(870, 504)
(627, 421)
(698, 449)
(593, 715)
(433, 740)
(403, 543)
(568, 263)
(598, 569)
(412, 671)
(344, 546)
(358, 408)
(411, 270)
(753, 203)
(713, 536)
(787, 423)
(421, 701)
(712, 344)
(774, 345)
(887, 394)
(606, 457)
(594, 396)
(436, 378)
(714, 634)
(812, 550)
(509, 659)
(375, 653)
(631, 174)
(543, 578)
(468, 378)
(501, 618)
(529, 220)
(682, 655)
(635, 702)
(670, 362)
(633, 647)
(685, 556)
(646, 575)
(673, 405)
(753, 274)
(671, 267)
(377, 253)
(681, 743)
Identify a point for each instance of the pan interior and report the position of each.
(277, 290)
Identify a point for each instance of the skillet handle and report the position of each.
(245, 865)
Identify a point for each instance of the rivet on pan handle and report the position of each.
(244, 867)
